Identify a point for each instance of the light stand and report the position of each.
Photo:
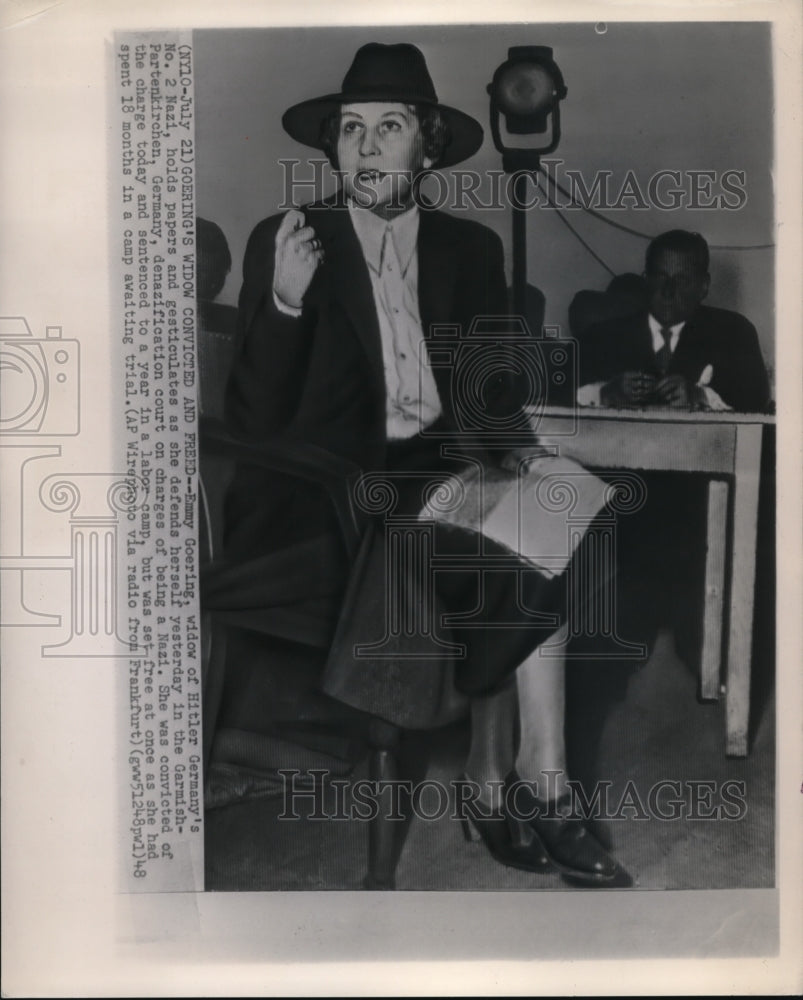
(526, 90)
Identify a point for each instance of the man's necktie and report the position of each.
(663, 356)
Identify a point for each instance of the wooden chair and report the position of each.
(303, 726)
(249, 612)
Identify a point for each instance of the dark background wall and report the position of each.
(642, 98)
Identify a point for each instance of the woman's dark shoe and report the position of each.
(572, 849)
(510, 841)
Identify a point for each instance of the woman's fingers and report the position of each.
(294, 234)
(304, 241)
(298, 255)
(292, 221)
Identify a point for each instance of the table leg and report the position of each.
(716, 538)
(743, 573)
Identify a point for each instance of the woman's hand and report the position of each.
(298, 254)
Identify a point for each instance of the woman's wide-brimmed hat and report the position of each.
(393, 73)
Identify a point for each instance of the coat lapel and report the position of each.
(345, 277)
(644, 345)
(687, 357)
(437, 267)
(437, 263)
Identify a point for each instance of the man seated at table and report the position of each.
(677, 352)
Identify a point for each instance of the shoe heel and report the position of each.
(470, 831)
(521, 835)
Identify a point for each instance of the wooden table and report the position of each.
(727, 447)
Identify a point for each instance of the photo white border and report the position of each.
(66, 933)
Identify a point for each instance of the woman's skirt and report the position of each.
(469, 568)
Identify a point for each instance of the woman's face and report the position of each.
(379, 152)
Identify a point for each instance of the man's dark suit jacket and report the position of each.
(320, 377)
(717, 337)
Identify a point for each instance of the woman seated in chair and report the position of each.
(339, 315)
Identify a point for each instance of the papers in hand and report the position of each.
(541, 515)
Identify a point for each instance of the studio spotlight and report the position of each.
(526, 91)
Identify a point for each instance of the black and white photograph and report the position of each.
(401, 540)
(509, 622)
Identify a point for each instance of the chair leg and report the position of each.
(384, 767)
